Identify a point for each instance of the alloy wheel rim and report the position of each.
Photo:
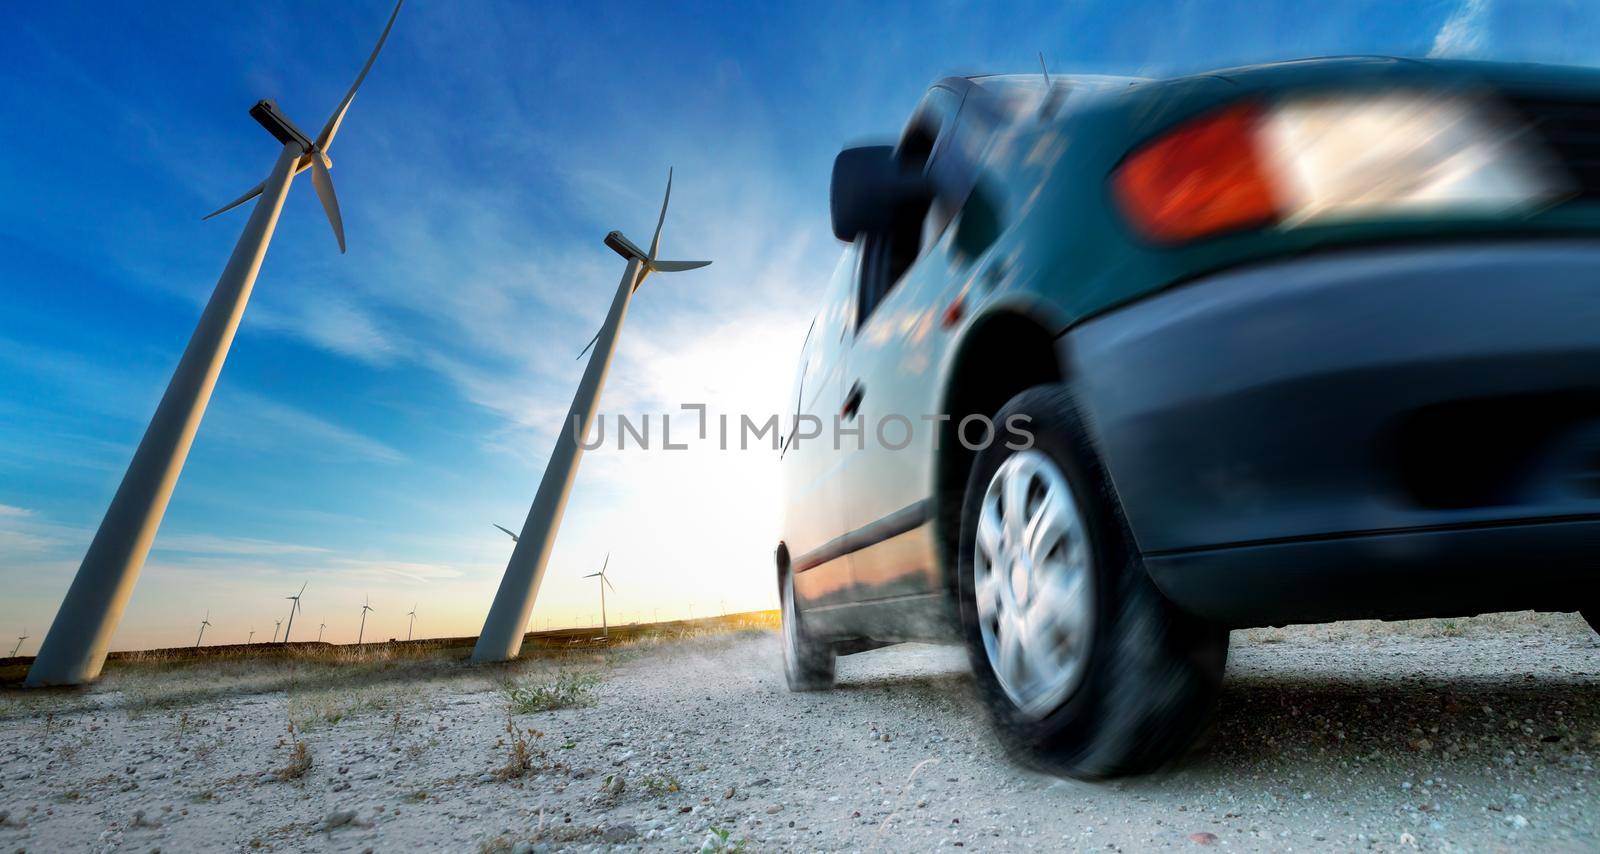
(1033, 583)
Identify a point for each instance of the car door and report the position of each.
(890, 384)
(814, 520)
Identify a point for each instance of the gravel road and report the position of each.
(1465, 735)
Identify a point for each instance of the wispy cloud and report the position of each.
(216, 545)
(263, 423)
(1464, 32)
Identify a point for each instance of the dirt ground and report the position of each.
(1478, 735)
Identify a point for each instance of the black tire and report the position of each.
(808, 665)
(1152, 674)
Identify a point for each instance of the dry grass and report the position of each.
(299, 759)
(327, 685)
(522, 754)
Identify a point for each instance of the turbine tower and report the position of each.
(203, 624)
(365, 607)
(293, 607)
(410, 625)
(605, 582)
(319, 632)
(276, 624)
(74, 649)
(507, 622)
(20, 638)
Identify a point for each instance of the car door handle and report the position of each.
(852, 402)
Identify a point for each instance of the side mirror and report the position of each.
(871, 190)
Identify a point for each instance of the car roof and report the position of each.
(1017, 94)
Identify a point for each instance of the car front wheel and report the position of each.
(1084, 666)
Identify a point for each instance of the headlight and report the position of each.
(1320, 159)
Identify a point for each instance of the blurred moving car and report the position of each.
(1293, 343)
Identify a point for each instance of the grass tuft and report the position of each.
(564, 690)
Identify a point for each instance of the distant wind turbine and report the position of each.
(275, 625)
(413, 616)
(319, 632)
(501, 638)
(514, 537)
(252, 636)
(74, 650)
(20, 638)
(361, 632)
(604, 583)
(203, 624)
(293, 607)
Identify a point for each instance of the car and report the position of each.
(1112, 366)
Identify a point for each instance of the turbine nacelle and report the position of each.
(621, 245)
(648, 263)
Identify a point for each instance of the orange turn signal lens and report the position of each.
(1206, 177)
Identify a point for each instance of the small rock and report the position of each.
(1517, 821)
(1203, 838)
(486, 778)
(774, 809)
(618, 834)
(342, 818)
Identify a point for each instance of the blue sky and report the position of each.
(380, 409)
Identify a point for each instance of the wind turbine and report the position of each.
(604, 583)
(503, 630)
(365, 607)
(20, 638)
(275, 625)
(514, 537)
(203, 624)
(319, 632)
(413, 616)
(293, 608)
(252, 636)
(74, 650)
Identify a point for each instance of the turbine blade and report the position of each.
(331, 129)
(608, 582)
(248, 195)
(590, 344)
(606, 564)
(302, 589)
(592, 575)
(330, 203)
(677, 266)
(514, 537)
(655, 242)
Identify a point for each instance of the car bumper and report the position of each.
(1386, 432)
